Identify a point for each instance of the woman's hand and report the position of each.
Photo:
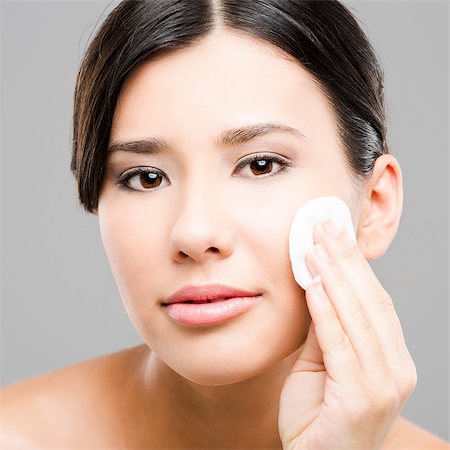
(354, 373)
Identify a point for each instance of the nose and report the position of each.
(200, 230)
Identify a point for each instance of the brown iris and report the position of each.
(261, 165)
(150, 179)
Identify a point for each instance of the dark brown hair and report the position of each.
(321, 35)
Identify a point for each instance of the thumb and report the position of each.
(311, 356)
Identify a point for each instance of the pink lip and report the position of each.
(207, 292)
(207, 314)
(228, 302)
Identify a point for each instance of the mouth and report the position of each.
(209, 312)
(192, 302)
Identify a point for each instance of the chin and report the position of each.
(220, 368)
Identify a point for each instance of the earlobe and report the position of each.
(381, 212)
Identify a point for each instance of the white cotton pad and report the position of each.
(301, 232)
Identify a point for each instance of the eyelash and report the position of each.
(123, 181)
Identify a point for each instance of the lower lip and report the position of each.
(204, 314)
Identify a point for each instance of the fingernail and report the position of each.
(314, 282)
(321, 252)
(330, 228)
(316, 288)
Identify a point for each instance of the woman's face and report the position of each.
(204, 220)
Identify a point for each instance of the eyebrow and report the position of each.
(231, 137)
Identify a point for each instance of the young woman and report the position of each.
(200, 127)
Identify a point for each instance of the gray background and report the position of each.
(60, 304)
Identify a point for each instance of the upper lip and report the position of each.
(207, 292)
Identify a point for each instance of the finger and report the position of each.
(377, 302)
(351, 313)
(339, 356)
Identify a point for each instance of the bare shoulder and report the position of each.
(406, 435)
(48, 409)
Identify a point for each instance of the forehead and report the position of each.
(227, 79)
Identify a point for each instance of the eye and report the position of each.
(263, 165)
(140, 179)
(146, 179)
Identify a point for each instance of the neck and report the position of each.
(192, 416)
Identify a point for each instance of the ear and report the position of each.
(382, 207)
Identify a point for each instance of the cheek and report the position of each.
(135, 256)
(134, 252)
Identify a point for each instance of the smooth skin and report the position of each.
(322, 369)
